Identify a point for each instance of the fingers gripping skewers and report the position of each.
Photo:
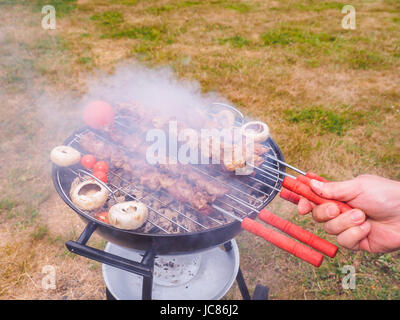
(296, 187)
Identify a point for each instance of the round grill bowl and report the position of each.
(164, 244)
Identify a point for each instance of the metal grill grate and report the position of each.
(248, 195)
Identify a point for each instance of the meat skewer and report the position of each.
(230, 163)
(93, 145)
(155, 180)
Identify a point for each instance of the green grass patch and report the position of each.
(240, 7)
(85, 60)
(289, 36)
(323, 120)
(316, 48)
(366, 59)
(63, 7)
(7, 204)
(150, 33)
(108, 18)
(396, 20)
(30, 213)
(12, 2)
(236, 41)
(309, 6)
(172, 7)
(50, 45)
(113, 27)
(125, 2)
(390, 157)
(318, 6)
(394, 3)
(40, 232)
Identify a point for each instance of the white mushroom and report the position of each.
(129, 215)
(65, 156)
(256, 130)
(89, 195)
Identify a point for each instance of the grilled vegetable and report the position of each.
(101, 175)
(98, 114)
(129, 215)
(88, 195)
(102, 216)
(65, 156)
(100, 166)
(256, 130)
(88, 161)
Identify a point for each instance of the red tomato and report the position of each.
(98, 114)
(101, 175)
(88, 161)
(102, 216)
(101, 166)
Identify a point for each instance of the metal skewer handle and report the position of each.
(279, 240)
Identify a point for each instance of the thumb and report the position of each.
(342, 191)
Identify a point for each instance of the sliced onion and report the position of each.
(256, 130)
(129, 215)
(88, 195)
(65, 156)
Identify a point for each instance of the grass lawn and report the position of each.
(330, 96)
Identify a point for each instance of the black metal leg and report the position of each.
(239, 277)
(109, 296)
(144, 268)
(242, 286)
(228, 246)
(147, 286)
(260, 292)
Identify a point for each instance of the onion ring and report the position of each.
(259, 133)
(129, 215)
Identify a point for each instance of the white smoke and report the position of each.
(158, 89)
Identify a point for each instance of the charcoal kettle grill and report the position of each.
(247, 196)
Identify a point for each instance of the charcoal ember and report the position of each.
(178, 220)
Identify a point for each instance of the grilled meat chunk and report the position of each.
(151, 179)
(99, 148)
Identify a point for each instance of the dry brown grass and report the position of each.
(43, 75)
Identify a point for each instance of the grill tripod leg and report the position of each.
(109, 296)
(239, 277)
(242, 286)
(260, 292)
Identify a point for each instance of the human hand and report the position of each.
(374, 226)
